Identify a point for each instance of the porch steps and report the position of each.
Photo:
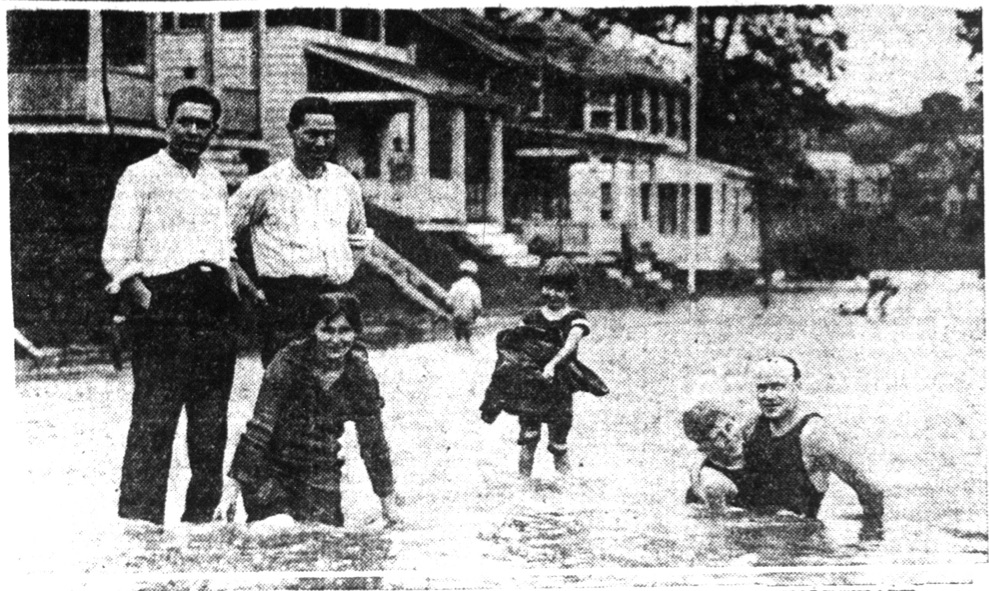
(411, 281)
(493, 239)
(229, 163)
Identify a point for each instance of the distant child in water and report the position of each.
(880, 290)
(538, 371)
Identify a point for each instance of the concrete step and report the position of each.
(523, 260)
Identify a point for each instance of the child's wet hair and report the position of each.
(701, 418)
(560, 272)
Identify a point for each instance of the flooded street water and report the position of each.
(908, 392)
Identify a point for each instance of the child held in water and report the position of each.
(717, 479)
(537, 370)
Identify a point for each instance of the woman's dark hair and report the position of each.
(194, 94)
(330, 305)
(315, 105)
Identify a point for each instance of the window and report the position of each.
(737, 214)
(126, 38)
(672, 116)
(237, 21)
(657, 112)
(639, 100)
(324, 19)
(607, 202)
(684, 203)
(621, 110)
(360, 24)
(440, 142)
(667, 213)
(174, 22)
(852, 189)
(601, 109)
(645, 191)
(47, 37)
(684, 109)
(724, 207)
(704, 192)
(534, 98)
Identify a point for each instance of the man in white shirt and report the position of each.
(306, 221)
(167, 250)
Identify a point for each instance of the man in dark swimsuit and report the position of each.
(789, 454)
(716, 482)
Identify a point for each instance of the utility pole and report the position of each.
(692, 161)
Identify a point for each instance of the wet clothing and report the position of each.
(777, 477)
(519, 388)
(286, 460)
(737, 476)
(170, 228)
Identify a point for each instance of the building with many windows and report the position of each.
(463, 123)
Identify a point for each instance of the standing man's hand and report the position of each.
(139, 293)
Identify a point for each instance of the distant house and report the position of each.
(849, 184)
(947, 176)
(446, 117)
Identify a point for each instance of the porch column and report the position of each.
(209, 52)
(496, 172)
(95, 109)
(420, 141)
(458, 154)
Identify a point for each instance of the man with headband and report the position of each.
(790, 453)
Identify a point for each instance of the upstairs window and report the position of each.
(600, 109)
(535, 97)
(704, 193)
(684, 203)
(672, 116)
(47, 37)
(657, 112)
(237, 21)
(360, 24)
(126, 38)
(645, 193)
(639, 114)
(667, 213)
(324, 19)
(607, 202)
(177, 22)
(622, 100)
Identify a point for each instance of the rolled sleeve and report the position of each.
(120, 245)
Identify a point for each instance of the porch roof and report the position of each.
(410, 76)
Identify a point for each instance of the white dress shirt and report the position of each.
(163, 219)
(301, 226)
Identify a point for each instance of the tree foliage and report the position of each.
(970, 31)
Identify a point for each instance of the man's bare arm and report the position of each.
(824, 450)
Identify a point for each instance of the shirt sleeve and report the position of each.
(242, 208)
(375, 453)
(578, 319)
(123, 228)
(357, 219)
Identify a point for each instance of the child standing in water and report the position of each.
(538, 371)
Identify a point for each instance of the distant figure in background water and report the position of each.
(167, 250)
(716, 481)
(465, 299)
(538, 372)
(307, 225)
(286, 462)
(790, 454)
(880, 290)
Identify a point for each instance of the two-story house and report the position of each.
(444, 116)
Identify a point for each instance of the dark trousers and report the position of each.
(290, 313)
(184, 352)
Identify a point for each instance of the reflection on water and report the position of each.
(907, 392)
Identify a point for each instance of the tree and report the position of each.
(970, 31)
(762, 77)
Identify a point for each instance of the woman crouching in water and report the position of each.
(286, 461)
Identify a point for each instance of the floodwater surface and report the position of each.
(906, 392)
